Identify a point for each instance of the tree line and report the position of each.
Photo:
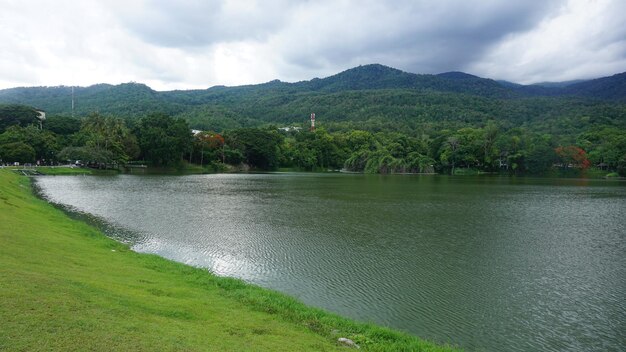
(159, 139)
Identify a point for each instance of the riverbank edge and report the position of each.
(20, 232)
(197, 170)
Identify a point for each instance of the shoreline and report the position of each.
(141, 301)
(74, 171)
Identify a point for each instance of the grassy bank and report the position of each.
(65, 286)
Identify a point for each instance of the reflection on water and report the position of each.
(493, 264)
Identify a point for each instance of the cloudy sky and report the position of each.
(186, 44)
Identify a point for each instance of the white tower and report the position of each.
(41, 115)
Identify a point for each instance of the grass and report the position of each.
(65, 286)
(55, 170)
(64, 170)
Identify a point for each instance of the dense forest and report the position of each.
(370, 119)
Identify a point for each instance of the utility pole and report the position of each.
(72, 101)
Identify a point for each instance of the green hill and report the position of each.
(368, 97)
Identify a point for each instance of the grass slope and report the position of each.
(65, 286)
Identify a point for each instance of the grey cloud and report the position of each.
(436, 36)
(196, 23)
(420, 37)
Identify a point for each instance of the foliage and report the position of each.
(311, 151)
(220, 108)
(17, 152)
(260, 148)
(211, 144)
(89, 155)
(572, 156)
(107, 139)
(44, 143)
(163, 140)
(13, 114)
(62, 125)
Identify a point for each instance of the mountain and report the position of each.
(376, 76)
(460, 82)
(364, 78)
(132, 98)
(558, 84)
(610, 88)
(368, 92)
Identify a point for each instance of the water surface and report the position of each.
(489, 264)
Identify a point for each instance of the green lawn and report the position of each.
(63, 170)
(65, 286)
(54, 170)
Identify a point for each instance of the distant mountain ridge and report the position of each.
(559, 84)
(135, 99)
(610, 88)
(376, 76)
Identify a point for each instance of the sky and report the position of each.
(195, 44)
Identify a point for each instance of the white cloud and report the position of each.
(197, 44)
(584, 39)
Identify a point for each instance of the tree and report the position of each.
(540, 158)
(605, 145)
(357, 160)
(20, 152)
(382, 162)
(164, 140)
(572, 156)
(621, 166)
(87, 154)
(490, 133)
(13, 114)
(212, 141)
(358, 140)
(417, 162)
(318, 149)
(470, 150)
(449, 154)
(62, 125)
(513, 147)
(107, 140)
(44, 143)
(260, 148)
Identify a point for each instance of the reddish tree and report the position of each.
(573, 156)
(212, 141)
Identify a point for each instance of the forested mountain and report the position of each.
(275, 101)
(130, 98)
(371, 97)
(609, 88)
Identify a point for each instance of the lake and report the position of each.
(486, 263)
